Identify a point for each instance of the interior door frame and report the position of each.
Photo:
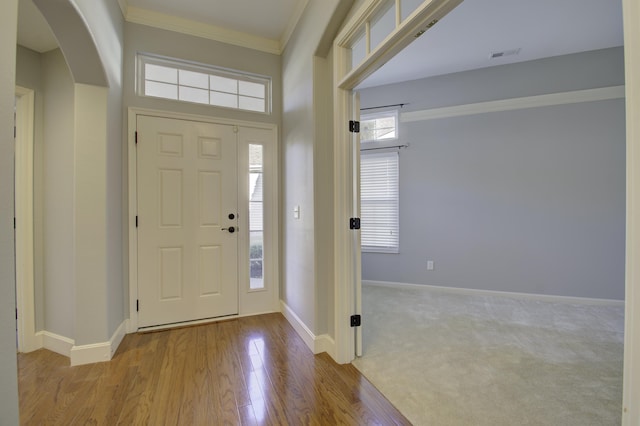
(345, 79)
(24, 227)
(347, 282)
(247, 298)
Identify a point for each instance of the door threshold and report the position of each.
(186, 324)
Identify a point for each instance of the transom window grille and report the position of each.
(379, 202)
(379, 127)
(197, 83)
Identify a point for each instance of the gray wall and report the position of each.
(530, 200)
(87, 311)
(29, 75)
(47, 74)
(58, 229)
(8, 367)
(305, 289)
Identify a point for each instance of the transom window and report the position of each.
(379, 127)
(178, 80)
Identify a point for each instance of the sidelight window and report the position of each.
(256, 217)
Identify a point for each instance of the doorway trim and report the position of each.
(25, 262)
(271, 217)
(347, 282)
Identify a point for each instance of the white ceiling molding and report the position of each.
(293, 23)
(563, 98)
(198, 29)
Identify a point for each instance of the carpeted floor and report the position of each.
(446, 358)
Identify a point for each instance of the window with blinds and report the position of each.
(379, 201)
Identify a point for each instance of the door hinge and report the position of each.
(354, 126)
(14, 223)
(354, 223)
(356, 321)
(16, 313)
(136, 137)
(136, 221)
(137, 305)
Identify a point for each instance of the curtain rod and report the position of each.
(385, 147)
(383, 106)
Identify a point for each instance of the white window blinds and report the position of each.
(379, 199)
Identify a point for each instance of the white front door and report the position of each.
(187, 214)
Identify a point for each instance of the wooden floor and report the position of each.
(248, 371)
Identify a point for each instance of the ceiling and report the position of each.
(463, 40)
(466, 38)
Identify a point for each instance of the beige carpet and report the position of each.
(454, 359)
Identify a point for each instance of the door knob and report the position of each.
(231, 229)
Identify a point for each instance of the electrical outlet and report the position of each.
(429, 265)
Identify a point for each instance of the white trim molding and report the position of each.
(198, 29)
(317, 344)
(293, 23)
(563, 98)
(509, 294)
(98, 352)
(631, 375)
(55, 343)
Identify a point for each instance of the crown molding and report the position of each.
(293, 23)
(199, 29)
(562, 98)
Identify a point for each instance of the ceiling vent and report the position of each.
(504, 53)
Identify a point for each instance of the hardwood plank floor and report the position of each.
(247, 371)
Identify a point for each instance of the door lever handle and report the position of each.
(231, 229)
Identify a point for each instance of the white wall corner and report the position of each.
(317, 344)
(293, 23)
(55, 343)
(98, 352)
(124, 5)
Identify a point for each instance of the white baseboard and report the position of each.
(478, 292)
(117, 337)
(325, 343)
(55, 343)
(98, 352)
(317, 344)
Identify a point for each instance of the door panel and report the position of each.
(187, 187)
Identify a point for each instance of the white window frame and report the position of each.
(368, 243)
(377, 116)
(144, 59)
